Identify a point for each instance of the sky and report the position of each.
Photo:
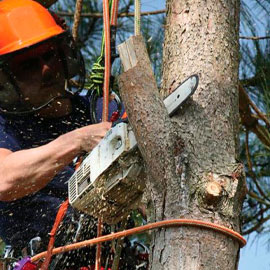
(255, 254)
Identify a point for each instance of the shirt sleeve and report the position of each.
(8, 139)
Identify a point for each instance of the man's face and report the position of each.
(39, 74)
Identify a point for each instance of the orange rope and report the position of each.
(106, 85)
(114, 13)
(98, 251)
(165, 223)
(106, 88)
(59, 217)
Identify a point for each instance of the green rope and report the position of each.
(96, 77)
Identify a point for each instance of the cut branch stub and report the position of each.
(213, 192)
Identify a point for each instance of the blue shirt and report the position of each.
(33, 215)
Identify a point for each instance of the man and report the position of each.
(43, 126)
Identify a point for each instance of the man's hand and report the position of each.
(91, 135)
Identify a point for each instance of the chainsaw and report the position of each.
(111, 179)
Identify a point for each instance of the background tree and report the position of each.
(254, 110)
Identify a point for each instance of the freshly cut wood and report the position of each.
(213, 192)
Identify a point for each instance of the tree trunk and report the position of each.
(192, 159)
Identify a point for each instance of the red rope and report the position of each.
(114, 13)
(165, 223)
(107, 73)
(106, 88)
(59, 217)
(98, 251)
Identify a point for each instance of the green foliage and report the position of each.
(255, 77)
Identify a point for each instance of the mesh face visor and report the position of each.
(26, 85)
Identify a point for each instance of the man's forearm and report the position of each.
(27, 171)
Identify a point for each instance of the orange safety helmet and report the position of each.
(16, 19)
(24, 25)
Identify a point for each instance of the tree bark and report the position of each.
(192, 159)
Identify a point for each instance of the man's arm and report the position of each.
(27, 171)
